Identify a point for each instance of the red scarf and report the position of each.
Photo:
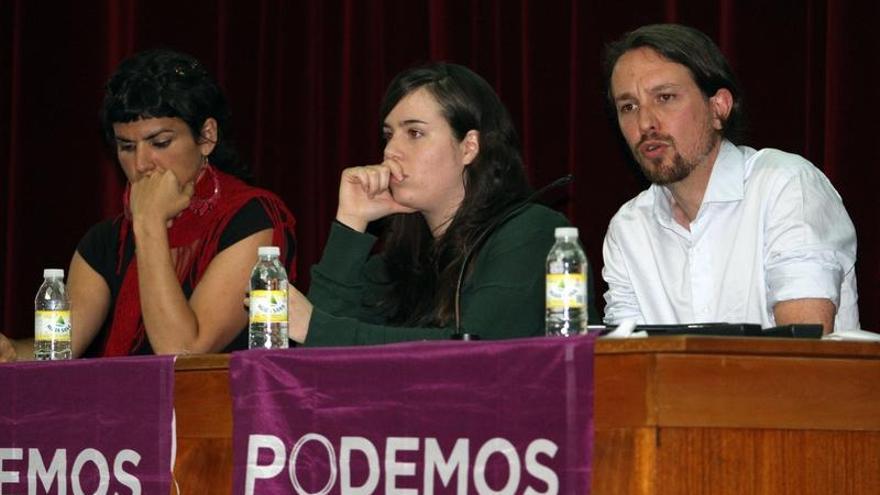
(195, 234)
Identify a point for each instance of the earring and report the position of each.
(204, 160)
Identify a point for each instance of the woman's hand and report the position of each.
(299, 315)
(159, 197)
(365, 194)
(8, 353)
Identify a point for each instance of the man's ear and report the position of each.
(208, 136)
(721, 103)
(470, 146)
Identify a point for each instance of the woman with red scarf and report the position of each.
(166, 276)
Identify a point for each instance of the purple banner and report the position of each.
(87, 426)
(507, 417)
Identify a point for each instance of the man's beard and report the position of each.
(660, 175)
(681, 168)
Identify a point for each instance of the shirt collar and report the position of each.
(725, 183)
(728, 175)
(662, 205)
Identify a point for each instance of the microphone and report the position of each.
(510, 213)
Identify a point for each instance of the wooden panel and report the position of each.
(203, 413)
(202, 362)
(740, 345)
(767, 462)
(202, 404)
(623, 394)
(204, 465)
(767, 392)
(624, 461)
(782, 347)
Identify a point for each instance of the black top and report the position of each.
(99, 248)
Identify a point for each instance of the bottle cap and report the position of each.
(565, 232)
(53, 273)
(268, 251)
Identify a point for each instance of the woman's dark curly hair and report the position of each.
(164, 83)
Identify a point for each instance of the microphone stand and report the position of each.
(460, 334)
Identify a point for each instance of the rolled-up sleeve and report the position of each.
(811, 241)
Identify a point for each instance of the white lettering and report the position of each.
(57, 470)
(393, 468)
(458, 461)
(127, 456)
(359, 471)
(505, 448)
(9, 476)
(541, 471)
(331, 457)
(100, 462)
(347, 445)
(54, 477)
(254, 469)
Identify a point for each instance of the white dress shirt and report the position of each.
(771, 228)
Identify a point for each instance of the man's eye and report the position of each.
(162, 144)
(666, 97)
(124, 147)
(415, 133)
(626, 108)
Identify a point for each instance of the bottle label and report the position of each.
(268, 306)
(52, 326)
(566, 290)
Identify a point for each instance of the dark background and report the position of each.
(304, 79)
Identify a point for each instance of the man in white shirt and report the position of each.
(725, 233)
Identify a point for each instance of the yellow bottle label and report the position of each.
(268, 306)
(52, 325)
(566, 290)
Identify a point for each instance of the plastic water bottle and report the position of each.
(566, 285)
(52, 318)
(268, 301)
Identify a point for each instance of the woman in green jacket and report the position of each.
(451, 171)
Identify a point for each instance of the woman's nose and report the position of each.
(391, 152)
(142, 161)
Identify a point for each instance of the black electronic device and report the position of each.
(797, 331)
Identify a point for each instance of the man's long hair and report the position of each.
(694, 50)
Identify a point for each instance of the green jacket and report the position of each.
(503, 297)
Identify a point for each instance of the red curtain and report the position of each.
(304, 79)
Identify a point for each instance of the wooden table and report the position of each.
(673, 415)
